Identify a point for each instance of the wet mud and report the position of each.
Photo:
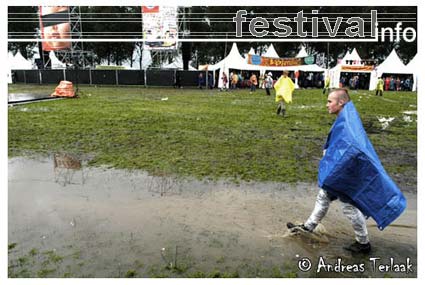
(69, 220)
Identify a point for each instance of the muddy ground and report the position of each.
(68, 220)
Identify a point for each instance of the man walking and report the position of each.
(350, 171)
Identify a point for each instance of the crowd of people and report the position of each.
(254, 81)
(392, 83)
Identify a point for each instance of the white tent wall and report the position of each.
(19, 62)
(335, 74)
(146, 59)
(393, 64)
(302, 52)
(55, 62)
(373, 79)
(271, 52)
(36, 55)
(9, 67)
(413, 66)
(251, 52)
(233, 60)
(177, 64)
(355, 60)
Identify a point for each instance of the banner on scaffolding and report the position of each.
(160, 30)
(55, 27)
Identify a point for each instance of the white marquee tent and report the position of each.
(146, 59)
(350, 59)
(413, 66)
(55, 62)
(271, 52)
(391, 65)
(177, 64)
(18, 61)
(302, 52)
(233, 60)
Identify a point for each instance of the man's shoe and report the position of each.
(357, 247)
(294, 228)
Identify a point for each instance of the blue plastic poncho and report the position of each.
(352, 171)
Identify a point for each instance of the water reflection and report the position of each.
(67, 169)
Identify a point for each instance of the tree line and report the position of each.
(213, 21)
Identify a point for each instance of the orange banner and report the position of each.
(270, 61)
(367, 68)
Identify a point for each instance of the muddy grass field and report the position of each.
(131, 182)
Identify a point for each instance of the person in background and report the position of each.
(224, 81)
(235, 79)
(268, 83)
(387, 83)
(392, 84)
(284, 88)
(327, 84)
(177, 80)
(379, 87)
(210, 81)
(201, 80)
(253, 81)
(407, 84)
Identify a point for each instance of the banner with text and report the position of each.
(278, 62)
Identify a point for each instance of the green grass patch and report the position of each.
(12, 246)
(206, 134)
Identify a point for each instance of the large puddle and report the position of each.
(17, 97)
(68, 220)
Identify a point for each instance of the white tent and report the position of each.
(391, 65)
(232, 60)
(146, 59)
(355, 58)
(177, 64)
(56, 63)
(251, 52)
(350, 59)
(19, 62)
(9, 69)
(413, 66)
(302, 52)
(345, 58)
(271, 52)
(35, 55)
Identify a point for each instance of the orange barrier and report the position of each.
(64, 89)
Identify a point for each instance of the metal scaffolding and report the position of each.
(76, 57)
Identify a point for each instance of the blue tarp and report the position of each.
(352, 171)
